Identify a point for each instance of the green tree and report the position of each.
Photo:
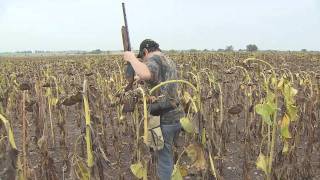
(229, 48)
(97, 51)
(252, 47)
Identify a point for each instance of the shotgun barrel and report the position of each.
(129, 72)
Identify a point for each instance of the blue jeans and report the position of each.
(165, 155)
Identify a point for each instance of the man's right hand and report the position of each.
(129, 56)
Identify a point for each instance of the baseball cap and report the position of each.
(147, 44)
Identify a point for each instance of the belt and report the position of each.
(170, 109)
(169, 122)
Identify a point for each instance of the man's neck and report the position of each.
(155, 53)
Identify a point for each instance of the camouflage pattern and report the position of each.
(163, 69)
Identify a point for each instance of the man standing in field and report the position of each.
(159, 68)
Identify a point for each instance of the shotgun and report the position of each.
(129, 71)
(129, 102)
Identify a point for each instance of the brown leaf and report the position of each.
(196, 154)
(236, 109)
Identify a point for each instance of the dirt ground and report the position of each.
(236, 160)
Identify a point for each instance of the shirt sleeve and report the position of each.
(154, 69)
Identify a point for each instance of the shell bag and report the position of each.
(155, 140)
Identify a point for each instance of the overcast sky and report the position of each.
(175, 24)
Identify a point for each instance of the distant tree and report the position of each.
(193, 50)
(205, 50)
(229, 48)
(252, 47)
(220, 50)
(304, 50)
(171, 51)
(24, 52)
(97, 51)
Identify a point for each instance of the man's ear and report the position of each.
(145, 52)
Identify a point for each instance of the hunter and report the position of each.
(156, 67)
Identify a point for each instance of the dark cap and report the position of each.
(148, 44)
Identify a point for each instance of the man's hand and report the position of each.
(151, 99)
(138, 80)
(129, 56)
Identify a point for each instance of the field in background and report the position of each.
(250, 116)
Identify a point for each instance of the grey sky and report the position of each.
(175, 24)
